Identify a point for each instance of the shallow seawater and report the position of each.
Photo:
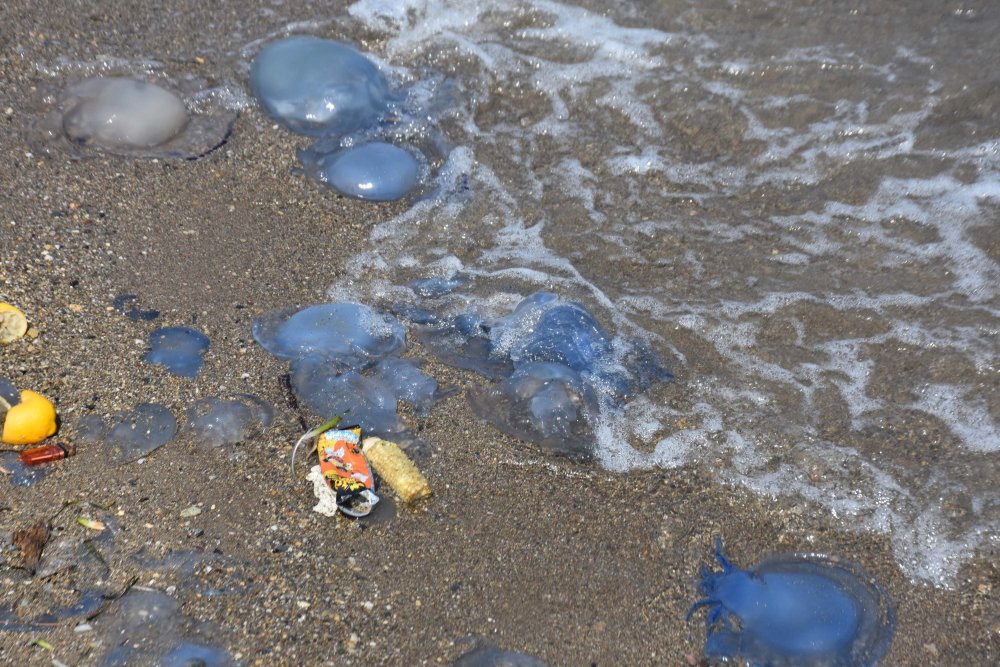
(796, 216)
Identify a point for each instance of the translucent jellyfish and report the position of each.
(796, 609)
(90, 428)
(464, 342)
(125, 304)
(119, 112)
(20, 474)
(146, 627)
(186, 654)
(347, 334)
(374, 171)
(179, 349)
(318, 87)
(407, 382)
(490, 656)
(88, 604)
(546, 403)
(544, 329)
(558, 367)
(137, 118)
(414, 314)
(362, 400)
(215, 421)
(137, 433)
(8, 392)
(541, 329)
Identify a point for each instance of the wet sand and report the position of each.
(516, 548)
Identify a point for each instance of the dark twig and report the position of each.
(293, 402)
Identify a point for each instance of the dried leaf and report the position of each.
(31, 541)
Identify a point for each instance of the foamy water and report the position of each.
(800, 230)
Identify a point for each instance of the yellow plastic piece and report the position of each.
(30, 421)
(396, 468)
(13, 323)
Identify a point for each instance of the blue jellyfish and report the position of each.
(802, 610)
(375, 171)
(147, 427)
(318, 87)
(177, 348)
(348, 334)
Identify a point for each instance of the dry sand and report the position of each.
(516, 548)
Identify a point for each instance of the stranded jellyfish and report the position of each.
(344, 362)
(490, 656)
(215, 421)
(119, 112)
(375, 171)
(20, 474)
(348, 334)
(795, 609)
(137, 433)
(180, 349)
(136, 118)
(317, 86)
(370, 399)
(546, 403)
(147, 627)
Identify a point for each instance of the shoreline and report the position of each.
(519, 549)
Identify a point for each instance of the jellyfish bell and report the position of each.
(375, 171)
(318, 86)
(136, 116)
(119, 112)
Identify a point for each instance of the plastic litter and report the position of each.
(346, 470)
(343, 479)
(47, 453)
(396, 469)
